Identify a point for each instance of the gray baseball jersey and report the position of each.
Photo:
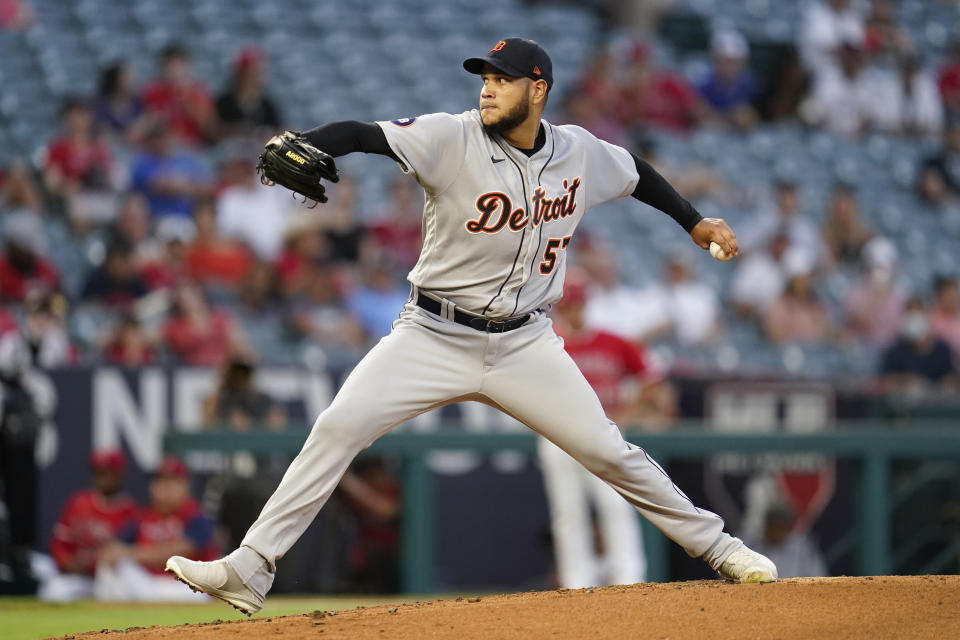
(496, 227)
(496, 223)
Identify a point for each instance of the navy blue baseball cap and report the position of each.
(516, 57)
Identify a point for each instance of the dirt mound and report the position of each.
(881, 607)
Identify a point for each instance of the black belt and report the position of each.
(474, 322)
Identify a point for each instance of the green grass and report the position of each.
(28, 618)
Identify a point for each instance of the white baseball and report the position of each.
(718, 253)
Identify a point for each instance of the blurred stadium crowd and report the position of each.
(135, 230)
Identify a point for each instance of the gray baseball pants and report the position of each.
(427, 362)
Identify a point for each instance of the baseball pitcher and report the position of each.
(504, 193)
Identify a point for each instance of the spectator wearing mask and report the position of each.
(918, 361)
(171, 179)
(174, 523)
(245, 109)
(23, 267)
(116, 282)
(90, 519)
(874, 304)
(945, 317)
(798, 316)
(729, 88)
(118, 111)
(180, 101)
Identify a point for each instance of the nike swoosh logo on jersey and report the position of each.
(496, 160)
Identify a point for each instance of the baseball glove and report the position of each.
(291, 161)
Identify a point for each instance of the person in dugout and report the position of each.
(90, 519)
(131, 567)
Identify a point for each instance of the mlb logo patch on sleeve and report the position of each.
(404, 122)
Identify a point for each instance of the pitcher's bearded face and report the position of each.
(504, 101)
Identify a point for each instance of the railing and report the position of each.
(874, 448)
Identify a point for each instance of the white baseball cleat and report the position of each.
(746, 565)
(218, 579)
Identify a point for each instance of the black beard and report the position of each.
(512, 120)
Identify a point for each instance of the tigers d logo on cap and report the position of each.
(517, 57)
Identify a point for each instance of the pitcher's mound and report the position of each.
(881, 607)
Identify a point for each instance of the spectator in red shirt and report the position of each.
(22, 265)
(179, 100)
(89, 520)
(77, 167)
(173, 524)
(195, 333)
(169, 268)
(397, 234)
(15, 15)
(128, 346)
(593, 103)
(658, 98)
(304, 250)
(628, 386)
(945, 315)
(213, 260)
(949, 80)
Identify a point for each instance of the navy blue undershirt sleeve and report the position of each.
(340, 138)
(654, 190)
